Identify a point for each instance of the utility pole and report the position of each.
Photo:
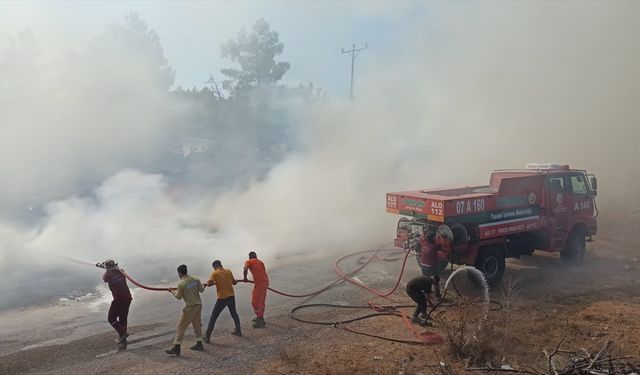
(353, 53)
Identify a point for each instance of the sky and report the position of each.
(191, 32)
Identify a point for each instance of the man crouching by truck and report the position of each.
(419, 289)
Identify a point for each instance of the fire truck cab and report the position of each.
(546, 207)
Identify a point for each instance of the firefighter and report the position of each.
(119, 310)
(189, 288)
(419, 289)
(260, 285)
(429, 258)
(224, 281)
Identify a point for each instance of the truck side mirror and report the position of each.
(594, 183)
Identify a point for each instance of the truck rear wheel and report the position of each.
(574, 248)
(490, 261)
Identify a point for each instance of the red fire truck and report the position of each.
(548, 207)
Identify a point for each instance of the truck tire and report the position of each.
(490, 261)
(575, 247)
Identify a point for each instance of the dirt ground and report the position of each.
(585, 305)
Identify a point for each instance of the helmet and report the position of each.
(110, 264)
(445, 232)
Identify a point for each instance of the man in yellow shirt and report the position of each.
(224, 281)
(189, 289)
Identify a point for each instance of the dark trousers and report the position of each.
(118, 313)
(418, 288)
(229, 302)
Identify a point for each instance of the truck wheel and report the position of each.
(574, 248)
(491, 262)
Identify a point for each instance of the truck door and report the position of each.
(557, 209)
(579, 201)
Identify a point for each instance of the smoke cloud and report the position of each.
(484, 86)
(69, 123)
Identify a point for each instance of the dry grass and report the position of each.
(465, 340)
(290, 357)
(510, 292)
(546, 302)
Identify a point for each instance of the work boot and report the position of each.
(198, 346)
(122, 346)
(258, 323)
(237, 332)
(175, 350)
(415, 318)
(416, 315)
(426, 322)
(122, 338)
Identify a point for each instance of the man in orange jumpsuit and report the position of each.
(260, 285)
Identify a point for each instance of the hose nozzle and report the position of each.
(100, 265)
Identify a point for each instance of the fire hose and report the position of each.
(426, 337)
(157, 289)
(343, 277)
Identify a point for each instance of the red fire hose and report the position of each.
(422, 338)
(343, 276)
(372, 290)
(157, 289)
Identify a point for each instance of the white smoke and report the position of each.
(484, 86)
(69, 123)
(133, 218)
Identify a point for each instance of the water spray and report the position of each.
(103, 266)
(75, 260)
(478, 276)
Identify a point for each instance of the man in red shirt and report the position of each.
(260, 285)
(119, 310)
(429, 257)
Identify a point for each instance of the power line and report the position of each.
(353, 53)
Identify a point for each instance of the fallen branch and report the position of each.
(578, 362)
(500, 369)
(552, 367)
(606, 347)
